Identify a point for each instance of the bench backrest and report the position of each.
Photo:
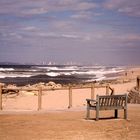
(114, 101)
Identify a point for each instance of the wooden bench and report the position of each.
(110, 102)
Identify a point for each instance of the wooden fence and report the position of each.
(138, 84)
(134, 93)
(40, 90)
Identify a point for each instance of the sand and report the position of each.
(20, 119)
(70, 125)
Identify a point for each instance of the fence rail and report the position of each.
(69, 88)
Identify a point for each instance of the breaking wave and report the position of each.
(83, 73)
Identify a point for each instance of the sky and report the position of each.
(103, 32)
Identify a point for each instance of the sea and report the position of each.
(22, 75)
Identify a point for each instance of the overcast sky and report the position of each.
(61, 31)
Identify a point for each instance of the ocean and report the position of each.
(64, 74)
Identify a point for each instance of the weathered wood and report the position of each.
(116, 113)
(134, 96)
(112, 91)
(46, 89)
(39, 98)
(112, 102)
(88, 111)
(138, 83)
(107, 89)
(0, 97)
(70, 97)
(97, 109)
(125, 110)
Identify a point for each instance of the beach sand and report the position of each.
(70, 125)
(20, 119)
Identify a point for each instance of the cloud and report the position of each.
(130, 38)
(85, 15)
(62, 26)
(85, 6)
(23, 8)
(128, 7)
(57, 35)
(30, 28)
(70, 5)
(32, 7)
(34, 11)
(73, 25)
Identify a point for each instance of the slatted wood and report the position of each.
(122, 101)
(106, 101)
(119, 101)
(110, 101)
(113, 102)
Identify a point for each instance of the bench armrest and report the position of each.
(91, 100)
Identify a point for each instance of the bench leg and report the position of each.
(125, 113)
(88, 113)
(116, 113)
(97, 115)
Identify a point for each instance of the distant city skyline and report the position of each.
(103, 32)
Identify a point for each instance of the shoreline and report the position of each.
(64, 75)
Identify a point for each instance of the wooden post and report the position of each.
(116, 113)
(138, 83)
(112, 91)
(107, 89)
(39, 98)
(97, 108)
(92, 91)
(0, 97)
(88, 110)
(70, 97)
(125, 109)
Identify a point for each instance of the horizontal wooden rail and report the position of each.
(48, 89)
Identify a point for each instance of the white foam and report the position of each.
(48, 68)
(32, 70)
(67, 68)
(6, 69)
(53, 74)
(66, 73)
(2, 76)
(101, 78)
(90, 72)
(13, 75)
